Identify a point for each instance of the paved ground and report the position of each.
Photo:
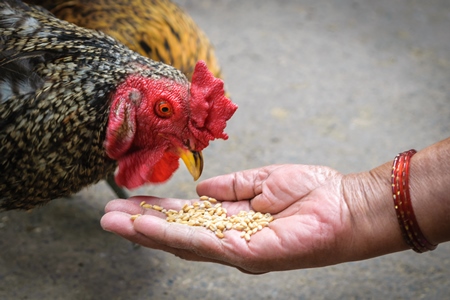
(346, 84)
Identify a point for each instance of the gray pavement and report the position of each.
(347, 84)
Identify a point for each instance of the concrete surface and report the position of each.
(347, 84)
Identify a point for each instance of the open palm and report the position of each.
(311, 220)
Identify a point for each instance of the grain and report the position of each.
(134, 217)
(220, 234)
(210, 214)
(157, 207)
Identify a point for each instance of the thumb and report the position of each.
(242, 185)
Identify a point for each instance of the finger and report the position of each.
(126, 206)
(118, 222)
(174, 235)
(121, 224)
(192, 239)
(242, 185)
(133, 205)
(148, 230)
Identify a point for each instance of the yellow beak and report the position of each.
(193, 161)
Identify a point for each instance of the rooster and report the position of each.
(158, 29)
(75, 104)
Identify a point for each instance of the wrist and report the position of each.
(374, 225)
(375, 229)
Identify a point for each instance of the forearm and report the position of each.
(321, 216)
(430, 191)
(376, 230)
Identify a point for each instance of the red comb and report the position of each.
(210, 109)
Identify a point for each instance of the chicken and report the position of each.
(75, 104)
(158, 29)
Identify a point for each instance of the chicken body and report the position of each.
(57, 85)
(158, 29)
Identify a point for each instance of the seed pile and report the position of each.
(211, 215)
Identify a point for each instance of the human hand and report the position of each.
(306, 202)
(321, 216)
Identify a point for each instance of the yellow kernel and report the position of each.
(210, 214)
(189, 208)
(196, 215)
(219, 234)
(239, 227)
(134, 217)
(262, 222)
(257, 215)
(220, 226)
(252, 225)
(157, 207)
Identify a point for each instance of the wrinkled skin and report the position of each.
(322, 217)
(312, 220)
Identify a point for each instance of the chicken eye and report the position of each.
(163, 109)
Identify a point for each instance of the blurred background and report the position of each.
(347, 84)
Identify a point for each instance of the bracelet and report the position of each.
(402, 202)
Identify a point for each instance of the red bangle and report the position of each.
(402, 202)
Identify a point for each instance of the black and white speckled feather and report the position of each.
(55, 82)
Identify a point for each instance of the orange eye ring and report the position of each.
(163, 109)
